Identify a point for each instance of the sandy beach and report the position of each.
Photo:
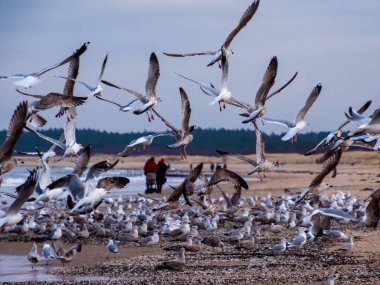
(359, 174)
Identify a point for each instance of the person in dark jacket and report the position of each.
(161, 174)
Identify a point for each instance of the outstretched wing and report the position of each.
(221, 175)
(245, 18)
(113, 182)
(153, 75)
(309, 102)
(268, 81)
(186, 111)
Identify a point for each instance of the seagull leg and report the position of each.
(148, 117)
(220, 107)
(224, 105)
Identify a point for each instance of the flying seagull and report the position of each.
(150, 100)
(183, 136)
(24, 191)
(332, 137)
(300, 122)
(96, 90)
(225, 49)
(122, 108)
(28, 80)
(140, 142)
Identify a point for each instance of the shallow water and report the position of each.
(17, 268)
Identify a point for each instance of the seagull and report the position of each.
(225, 50)
(316, 185)
(280, 247)
(140, 142)
(150, 240)
(47, 252)
(372, 215)
(112, 248)
(52, 100)
(28, 80)
(33, 255)
(150, 100)
(332, 137)
(24, 191)
(122, 108)
(331, 278)
(71, 147)
(174, 264)
(299, 240)
(14, 132)
(183, 136)
(348, 245)
(97, 90)
(261, 95)
(65, 256)
(369, 124)
(220, 96)
(225, 175)
(300, 122)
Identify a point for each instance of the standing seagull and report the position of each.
(97, 90)
(112, 248)
(300, 122)
(184, 136)
(150, 100)
(225, 50)
(47, 252)
(28, 80)
(33, 255)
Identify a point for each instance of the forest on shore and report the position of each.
(205, 142)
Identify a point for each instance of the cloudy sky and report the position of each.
(335, 43)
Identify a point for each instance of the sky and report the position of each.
(335, 43)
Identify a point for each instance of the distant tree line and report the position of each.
(205, 141)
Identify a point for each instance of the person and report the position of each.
(225, 165)
(161, 174)
(150, 166)
(212, 167)
(150, 169)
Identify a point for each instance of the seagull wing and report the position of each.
(268, 81)
(14, 132)
(99, 168)
(245, 18)
(25, 191)
(222, 174)
(82, 161)
(360, 111)
(188, 54)
(31, 95)
(177, 133)
(209, 90)
(329, 165)
(226, 198)
(309, 102)
(102, 70)
(77, 53)
(224, 73)
(283, 87)
(153, 75)
(113, 182)
(186, 111)
(238, 156)
(278, 121)
(109, 101)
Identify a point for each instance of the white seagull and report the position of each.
(300, 122)
(150, 100)
(28, 80)
(225, 50)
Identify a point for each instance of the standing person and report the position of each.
(150, 169)
(161, 174)
(212, 167)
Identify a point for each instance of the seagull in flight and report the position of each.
(300, 122)
(225, 50)
(122, 108)
(141, 142)
(28, 80)
(184, 136)
(150, 100)
(96, 90)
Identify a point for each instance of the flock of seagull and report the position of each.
(78, 215)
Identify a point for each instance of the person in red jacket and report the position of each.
(150, 166)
